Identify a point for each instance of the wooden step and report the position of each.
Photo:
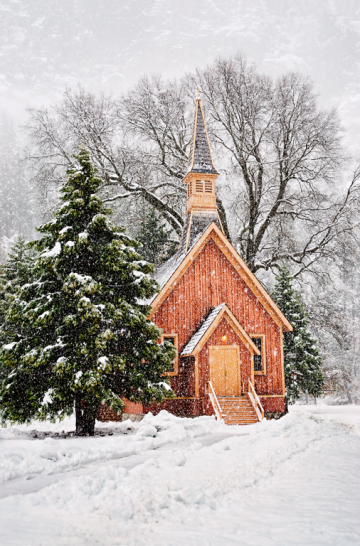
(232, 402)
(240, 412)
(238, 421)
(243, 398)
(234, 419)
(237, 410)
(243, 423)
(239, 415)
(235, 403)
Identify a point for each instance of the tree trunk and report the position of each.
(348, 392)
(85, 418)
(223, 219)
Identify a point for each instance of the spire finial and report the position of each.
(198, 93)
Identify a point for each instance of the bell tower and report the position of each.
(201, 208)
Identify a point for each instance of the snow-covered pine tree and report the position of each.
(155, 238)
(16, 272)
(18, 268)
(83, 337)
(301, 355)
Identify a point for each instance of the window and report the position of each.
(172, 338)
(189, 188)
(259, 360)
(200, 186)
(208, 186)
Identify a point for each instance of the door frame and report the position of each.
(218, 347)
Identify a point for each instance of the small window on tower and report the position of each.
(189, 188)
(259, 360)
(172, 338)
(200, 186)
(208, 186)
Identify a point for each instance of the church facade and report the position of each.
(227, 330)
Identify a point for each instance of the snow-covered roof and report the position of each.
(196, 338)
(165, 271)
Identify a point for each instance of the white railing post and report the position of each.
(255, 400)
(214, 401)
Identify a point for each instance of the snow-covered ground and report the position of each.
(171, 481)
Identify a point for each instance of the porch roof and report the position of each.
(208, 326)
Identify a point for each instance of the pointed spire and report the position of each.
(200, 157)
(201, 207)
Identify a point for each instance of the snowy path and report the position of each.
(291, 482)
(35, 484)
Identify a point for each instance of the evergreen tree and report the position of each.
(15, 273)
(18, 268)
(18, 206)
(83, 337)
(155, 238)
(301, 356)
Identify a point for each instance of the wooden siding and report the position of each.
(209, 281)
(184, 383)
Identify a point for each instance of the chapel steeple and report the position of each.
(201, 208)
(200, 157)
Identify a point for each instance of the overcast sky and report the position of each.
(48, 45)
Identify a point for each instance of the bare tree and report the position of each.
(286, 160)
(139, 143)
(130, 166)
(284, 155)
(159, 114)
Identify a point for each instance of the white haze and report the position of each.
(46, 46)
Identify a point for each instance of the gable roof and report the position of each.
(169, 274)
(209, 325)
(200, 157)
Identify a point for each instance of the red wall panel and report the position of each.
(209, 281)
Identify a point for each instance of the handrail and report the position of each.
(255, 400)
(209, 389)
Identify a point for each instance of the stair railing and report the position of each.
(256, 402)
(209, 389)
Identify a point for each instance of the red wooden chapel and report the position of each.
(227, 330)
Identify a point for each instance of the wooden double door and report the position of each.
(225, 370)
